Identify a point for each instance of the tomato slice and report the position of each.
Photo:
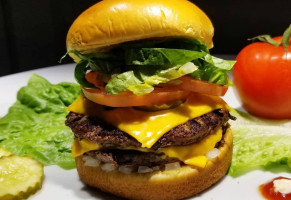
(193, 85)
(127, 98)
(92, 77)
(160, 95)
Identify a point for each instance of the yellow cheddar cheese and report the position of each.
(194, 154)
(190, 154)
(149, 127)
(82, 146)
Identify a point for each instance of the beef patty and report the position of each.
(131, 158)
(135, 159)
(98, 131)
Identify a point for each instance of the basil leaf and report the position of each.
(80, 72)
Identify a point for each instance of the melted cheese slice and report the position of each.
(194, 154)
(82, 146)
(191, 154)
(149, 127)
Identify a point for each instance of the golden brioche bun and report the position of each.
(172, 184)
(112, 22)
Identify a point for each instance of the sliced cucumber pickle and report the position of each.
(4, 152)
(20, 177)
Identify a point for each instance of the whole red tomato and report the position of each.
(262, 78)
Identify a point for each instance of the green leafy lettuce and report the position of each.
(213, 70)
(35, 126)
(141, 80)
(260, 143)
(138, 66)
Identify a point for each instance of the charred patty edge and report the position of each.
(134, 159)
(98, 131)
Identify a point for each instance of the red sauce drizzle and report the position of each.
(268, 191)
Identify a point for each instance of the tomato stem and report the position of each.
(269, 39)
(265, 38)
(286, 37)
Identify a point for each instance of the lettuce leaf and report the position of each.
(142, 80)
(161, 56)
(123, 81)
(35, 126)
(104, 62)
(164, 76)
(134, 59)
(169, 43)
(260, 143)
(213, 70)
(80, 72)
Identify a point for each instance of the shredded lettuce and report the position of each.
(123, 80)
(260, 143)
(142, 79)
(35, 126)
(143, 60)
(164, 76)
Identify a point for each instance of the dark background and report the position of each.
(33, 33)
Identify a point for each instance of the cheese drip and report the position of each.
(193, 154)
(82, 146)
(149, 127)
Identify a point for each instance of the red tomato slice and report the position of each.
(92, 77)
(127, 98)
(160, 95)
(193, 85)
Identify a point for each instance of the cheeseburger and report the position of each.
(149, 123)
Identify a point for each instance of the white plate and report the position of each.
(65, 184)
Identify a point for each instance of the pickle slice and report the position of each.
(20, 177)
(4, 152)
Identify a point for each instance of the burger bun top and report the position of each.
(111, 22)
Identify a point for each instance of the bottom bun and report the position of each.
(172, 184)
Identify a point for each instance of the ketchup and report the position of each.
(268, 191)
